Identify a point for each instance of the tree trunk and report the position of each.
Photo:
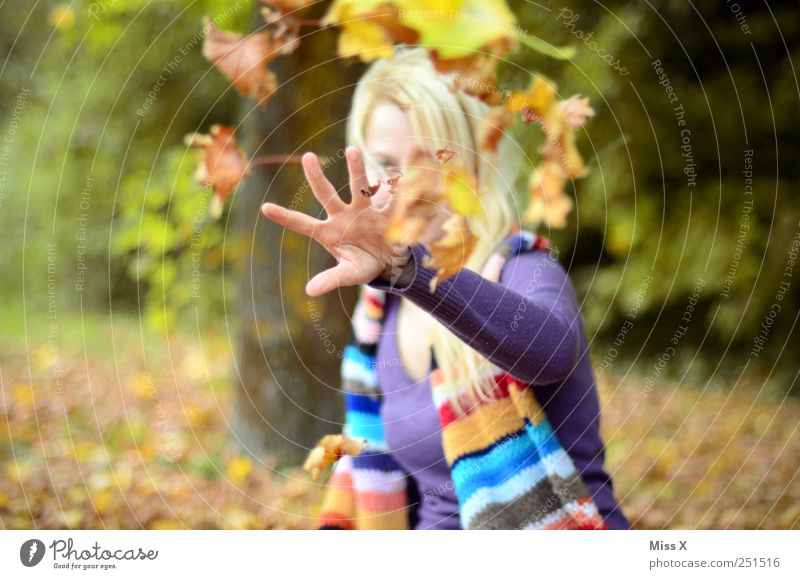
(289, 344)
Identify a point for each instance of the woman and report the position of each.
(422, 362)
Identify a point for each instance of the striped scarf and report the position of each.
(508, 469)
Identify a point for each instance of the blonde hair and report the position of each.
(441, 116)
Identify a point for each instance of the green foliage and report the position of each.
(109, 99)
(638, 214)
(169, 242)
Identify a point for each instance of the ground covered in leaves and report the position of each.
(105, 429)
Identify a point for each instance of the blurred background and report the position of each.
(163, 368)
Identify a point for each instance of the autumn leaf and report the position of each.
(474, 75)
(329, 450)
(450, 252)
(418, 199)
(536, 102)
(549, 203)
(560, 144)
(493, 127)
(576, 111)
(461, 191)
(457, 28)
(445, 155)
(239, 468)
(243, 60)
(369, 29)
(224, 164)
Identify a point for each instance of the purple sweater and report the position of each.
(529, 325)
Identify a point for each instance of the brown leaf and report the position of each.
(243, 60)
(493, 127)
(445, 155)
(224, 165)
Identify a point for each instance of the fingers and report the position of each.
(322, 188)
(358, 178)
(294, 220)
(329, 280)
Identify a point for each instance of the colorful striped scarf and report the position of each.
(508, 469)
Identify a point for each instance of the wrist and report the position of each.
(400, 270)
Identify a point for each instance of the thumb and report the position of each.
(325, 282)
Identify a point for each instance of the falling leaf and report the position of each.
(329, 450)
(284, 25)
(473, 74)
(450, 252)
(243, 60)
(535, 102)
(461, 191)
(224, 164)
(560, 144)
(576, 111)
(493, 127)
(549, 203)
(445, 155)
(418, 200)
(392, 181)
(370, 190)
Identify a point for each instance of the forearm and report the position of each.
(528, 334)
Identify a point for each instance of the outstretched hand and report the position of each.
(354, 233)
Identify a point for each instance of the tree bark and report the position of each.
(290, 345)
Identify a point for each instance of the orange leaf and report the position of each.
(493, 127)
(417, 201)
(243, 60)
(329, 450)
(225, 164)
(549, 203)
(450, 252)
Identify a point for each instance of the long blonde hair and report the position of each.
(440, 117)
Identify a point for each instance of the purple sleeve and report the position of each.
(527, 324)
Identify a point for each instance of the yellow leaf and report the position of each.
(143, 385)
(239, 468)
(329, 450)
(17, 471)
(460, 188)
(363, 26)
(457, 28)
(22, 394)
(101, 500)
(539, 98)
